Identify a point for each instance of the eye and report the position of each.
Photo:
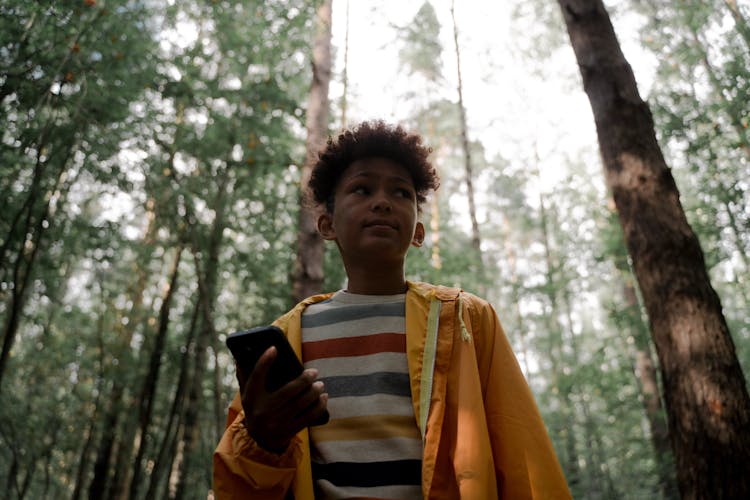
(360, 189)
(404, 193)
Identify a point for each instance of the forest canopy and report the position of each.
(150, 168)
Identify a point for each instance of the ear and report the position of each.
(325, 226)
(418, 238)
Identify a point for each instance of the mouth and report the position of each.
(380, 223)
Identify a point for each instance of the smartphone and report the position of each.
(247, 346)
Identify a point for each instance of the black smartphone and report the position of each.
(247, 346)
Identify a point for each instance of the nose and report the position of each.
(381, 203)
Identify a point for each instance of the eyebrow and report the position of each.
(400, 178)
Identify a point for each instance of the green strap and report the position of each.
(428, 365)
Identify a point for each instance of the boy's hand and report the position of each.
(273, 418)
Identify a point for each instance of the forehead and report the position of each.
(377, 168)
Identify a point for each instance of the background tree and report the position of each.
(151, 164)
(476, 240)
(308, 274)
(707, 400)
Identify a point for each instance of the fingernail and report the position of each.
(311, 372)
(318, 386)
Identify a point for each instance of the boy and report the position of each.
(425, 396)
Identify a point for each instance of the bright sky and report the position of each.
(510, 109)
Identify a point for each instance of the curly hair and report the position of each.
(368, 140)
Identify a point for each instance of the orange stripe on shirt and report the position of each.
(368, 427)
(354, 346)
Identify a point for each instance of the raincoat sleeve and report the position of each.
(525, 462)
(242, 469)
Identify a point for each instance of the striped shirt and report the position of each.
(371, 447)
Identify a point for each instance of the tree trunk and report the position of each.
(102, 466)
(516, 298)
(476, 242)
(98, 485)
(600, 478)
(704, 389)
(84, 457)
(554, 328)
(24, 262)
(148, 392)
(207, 277)
(308, 269)
(162, 464)
(645, 372)
(345, 72)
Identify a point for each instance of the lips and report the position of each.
(380, 223)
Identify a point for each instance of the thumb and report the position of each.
(259, 374)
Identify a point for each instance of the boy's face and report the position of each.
(374, 215)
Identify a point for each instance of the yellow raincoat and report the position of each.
(482, 433)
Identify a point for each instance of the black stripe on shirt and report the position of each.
(368, 475)
(352, 313)
(395, 384)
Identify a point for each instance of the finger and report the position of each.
(315, 414)
(299, 385)
(262, 367)
(309, 397)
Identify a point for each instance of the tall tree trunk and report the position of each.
(98, 485)
(308, 269)
(82, 469)
(84, 457)
(645, 372)
(516, 298)
(207, 277)
(554, 328)
(17, 236)
(162, 464)
(704, 389)
(345, 72)
(24, 262)
(148, 392)
(434, 214)
(113, 418)
(476, 241)
(600, 478)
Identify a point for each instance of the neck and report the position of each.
(376, 280)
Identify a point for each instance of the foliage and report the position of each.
(135, 132)
(131, 131)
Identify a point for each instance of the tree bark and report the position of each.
(345, 72)
(24, 262)
(162, 464)
(207, 277)
(554, 328)
(704, 389)
(644, 370)
(308, 269)
(102, 465)
(148, 392)
(476, 241)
